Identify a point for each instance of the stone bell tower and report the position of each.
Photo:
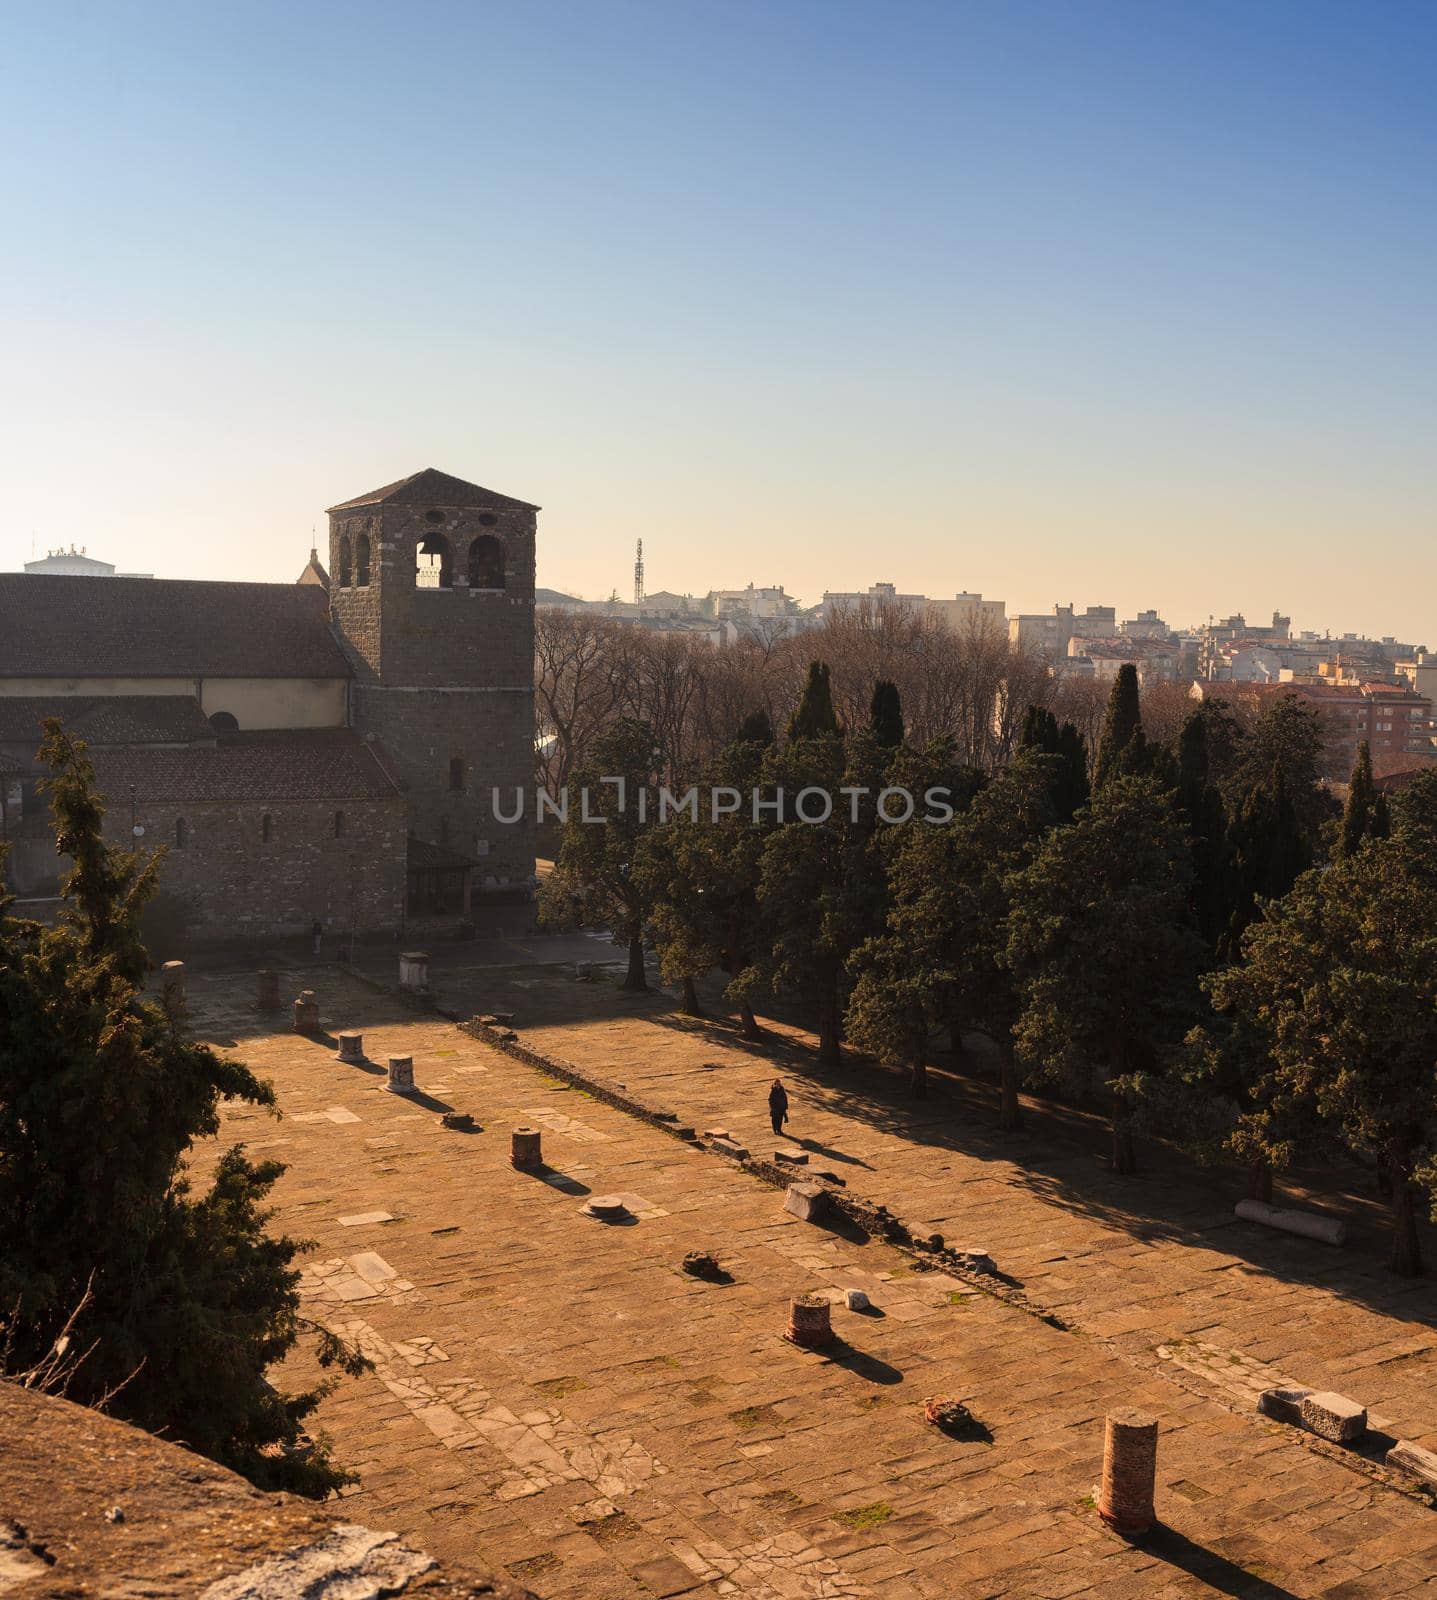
(432, 596)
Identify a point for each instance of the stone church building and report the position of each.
(325, 750)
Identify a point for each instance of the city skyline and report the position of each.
(1035, 300)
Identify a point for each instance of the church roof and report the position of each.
(304, 764)
(106, 719)
(433, 488)
(77, 627)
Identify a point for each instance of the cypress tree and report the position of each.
(814, 717)
(756, 728)
(1122, 744)
(1362, 812)
(885, 715)
(1072, 789)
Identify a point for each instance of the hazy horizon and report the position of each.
(1112, 303)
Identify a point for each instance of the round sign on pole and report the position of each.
(138, 830)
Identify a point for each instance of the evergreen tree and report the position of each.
(938, 962)
(1202, 809)
(756, 728)
(885, 715)
(175, 1300)
(700, 875)
(1122, 746)
(1268, 853)
(1365, 815)
(1068, 775)
(1100, 943)
(814, 716)
(1286, 736)
(1341, 978)
(612, 804)
(821, 883)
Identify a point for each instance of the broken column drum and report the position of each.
(524, 1150)
(266, 995)
(1130, 1461)
(809, 1321)
(351, 1047)
(401, 1075)
(306, 1012)
(172, 987)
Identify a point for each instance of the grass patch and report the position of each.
(1087, 1503)
(869, 1516)
(780, 1500)
(612, 1528)
(870, 1402)
(557, 1388)
(756, 1417)
(534, 1566)
(957, 1298)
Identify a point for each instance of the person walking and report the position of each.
(778, 1106)
(318, 932)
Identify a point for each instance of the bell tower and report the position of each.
(432, 597)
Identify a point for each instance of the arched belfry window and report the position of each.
(486, 563)
(346, 574)
(361, 561)
(434, 568)
(182, 833)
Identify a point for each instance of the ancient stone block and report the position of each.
(351, 1047)
(791, 1158)
(731, 1147)
(1130, 1457)
(1413, 1459)
(401, 1075)
(1283, 1405)
(524, 1149)
(856, 1300)
(806, 1201)
(1333, 1416)
(306, 1012)
(414, 970)
(266, 995)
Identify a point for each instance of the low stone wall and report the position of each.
(875, 1220)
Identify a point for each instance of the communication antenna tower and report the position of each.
(639, 574)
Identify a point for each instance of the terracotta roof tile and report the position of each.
(309, 764)
(106, 719)
(432, 487)
(71, 627)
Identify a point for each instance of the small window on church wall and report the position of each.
(339, 827)
(456, 772)
(266, 827)
(361, 561)
(345, 574)
(224, 722)
(182, 833)
(486, 563)
(434, 568)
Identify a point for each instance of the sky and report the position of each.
(1107, 301)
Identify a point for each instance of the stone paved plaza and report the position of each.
(552, 1396)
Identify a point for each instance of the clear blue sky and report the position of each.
(1111, 302)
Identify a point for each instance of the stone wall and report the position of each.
(228, 882)
(445, 675)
